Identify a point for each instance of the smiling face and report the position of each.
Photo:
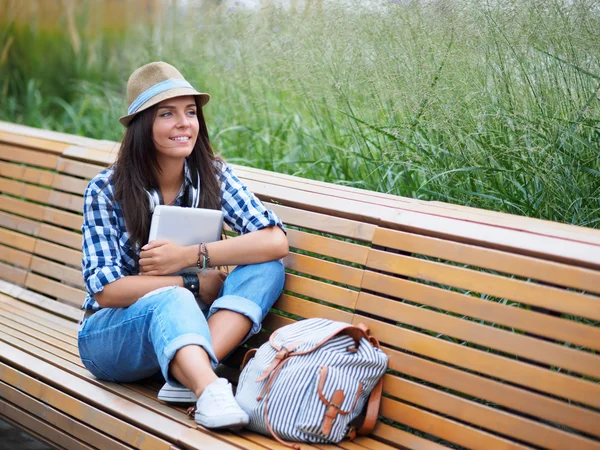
(175, 127)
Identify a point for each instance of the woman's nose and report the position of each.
(183, 121)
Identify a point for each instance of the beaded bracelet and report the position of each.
(203, 252)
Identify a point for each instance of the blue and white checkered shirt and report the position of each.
(107, 251)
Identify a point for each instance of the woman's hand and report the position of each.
(161, 257)
(211, 282)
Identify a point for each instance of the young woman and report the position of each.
(139, 320)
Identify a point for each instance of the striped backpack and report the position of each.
(311, 381)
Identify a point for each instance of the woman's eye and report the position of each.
(192, 112)
(166, 114)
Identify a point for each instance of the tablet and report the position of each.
(186, 226)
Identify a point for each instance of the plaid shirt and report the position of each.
(107, 251)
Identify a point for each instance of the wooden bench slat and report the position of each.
(82, 411)
(324, 269)
(494, 338)
(328, 247)
(8, 321)
(43, 231)
(560, 230)
(517, 372)
(324, 223)
(523, 266)
(78, 168)
(36, 315)
(32, 433)
(41, 213)
(518, 428)
(59, 271)
(445, 428)
(51, 433)
(16, 257)
(63, 292)
(305, 308)
(29, 157)
(498, 286)
(404, 439)
(522, 243)
(13, 274)
(45, 303)
(42, 195)
(43, 177)
(88, 154)
(59, 420)
(140, 416)
(58, 253)
(17, 240)
(523, 400)
(320, 290)
(489, 310)
(40, 324)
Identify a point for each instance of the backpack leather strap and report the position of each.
(372, 410)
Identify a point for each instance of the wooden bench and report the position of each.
(490, 321)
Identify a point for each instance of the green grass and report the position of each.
(482, 103)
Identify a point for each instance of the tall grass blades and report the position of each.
(493, 104)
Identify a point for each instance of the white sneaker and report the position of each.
(217, 408)
(174, 394)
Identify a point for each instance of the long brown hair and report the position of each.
(136, 165)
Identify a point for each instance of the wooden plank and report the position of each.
(81, 411)
(518, 428)
(58, 271)
(404, 439)
(77, 168)
(489, 310)
(41, 138)
(38, 332)
(27, 174)
(523, 243)
(306, 309)
(53, 417)
(42, 195)
(523, 400)
(88, 154)
(498, 286)
(523, 266)
(324, 269)
(23, 156)
(41, 213)
(60, 236)
(327, 246)
(13, 274)
(324, 223)
(39, 316)
(505, 341)
(444, 428)
(45, 303)
(51, 433)
(58, 253)
(15, 257)
(320, 290)
(61, 291)
(141, 417)
(32, 433)
(516, 372)
(17, 240)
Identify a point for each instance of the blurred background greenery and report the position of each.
(492, 104)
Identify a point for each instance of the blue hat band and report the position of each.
(159, 88)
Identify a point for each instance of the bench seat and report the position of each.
(490, 321)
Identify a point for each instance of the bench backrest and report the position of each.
(488, 348)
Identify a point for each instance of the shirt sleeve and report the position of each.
(101, 263)
(242, 210)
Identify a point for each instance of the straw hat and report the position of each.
(153, 83)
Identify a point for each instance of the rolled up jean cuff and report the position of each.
(242, 306)
(178, 343)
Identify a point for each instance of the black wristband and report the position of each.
(191, 283)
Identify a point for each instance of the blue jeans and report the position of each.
(128, 344)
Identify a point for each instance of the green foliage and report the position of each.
(487, 104)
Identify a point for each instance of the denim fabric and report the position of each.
(128, 344)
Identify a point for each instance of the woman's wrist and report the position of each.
(190, 255)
